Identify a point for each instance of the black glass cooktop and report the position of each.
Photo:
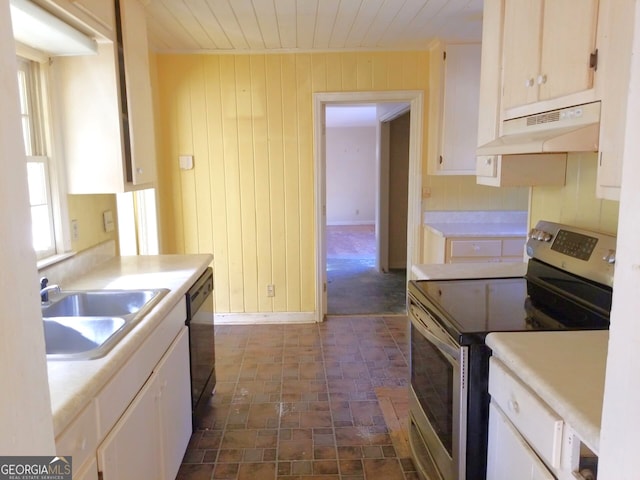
(544, 300)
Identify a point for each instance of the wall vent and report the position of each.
(543, 118)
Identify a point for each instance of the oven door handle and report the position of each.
(446, 349)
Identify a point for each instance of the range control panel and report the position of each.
(574, 244)
(585, 253)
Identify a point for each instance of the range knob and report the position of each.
(610, 257)
(541, 235)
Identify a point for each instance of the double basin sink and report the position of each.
(84, 325)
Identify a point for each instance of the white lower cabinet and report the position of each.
(175, 404)
(509, 455)
(133, 450)
(88, 471)
(150, 438)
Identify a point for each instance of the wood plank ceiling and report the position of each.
(305, 25)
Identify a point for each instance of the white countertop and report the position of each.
(480, 223)
(72, 384)
(566, 369)
(455, 229)
(434, 271)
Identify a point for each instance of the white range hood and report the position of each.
(574, 129)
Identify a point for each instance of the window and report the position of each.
(38, 162)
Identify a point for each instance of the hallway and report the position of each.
(354, 286)
(309, 401)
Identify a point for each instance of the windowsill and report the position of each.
(53, 259)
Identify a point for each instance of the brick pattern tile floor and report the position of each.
(299, 402)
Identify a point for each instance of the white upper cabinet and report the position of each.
(507, 170)
(615, 43)
(100, 10)
(97, 16)
(548, 47)
(454, 87)
(106, 111)
(138, 101)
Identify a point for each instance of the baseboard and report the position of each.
(264, 318)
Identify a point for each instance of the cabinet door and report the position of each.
(521, 51)
(100, 10)
(568, 39)
(132, 450)
(615, 39)
(138, 98)
(460, 115)
(175, 403)
(88, 472)
(508, 455)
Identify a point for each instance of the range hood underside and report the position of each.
(579, 138)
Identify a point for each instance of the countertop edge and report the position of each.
(83, 380)
(455, 229)
(580, 408)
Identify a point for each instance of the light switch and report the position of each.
(107, 219)
(186, 162)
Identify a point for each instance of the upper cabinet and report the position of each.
(106, 110)
(549, 49)
(100, 10)
(453, 110)
(505, 170)
(97, 16)
(615, 41)
(137, 102)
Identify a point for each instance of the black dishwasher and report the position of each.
(201, 343)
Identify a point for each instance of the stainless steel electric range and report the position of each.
(568, 285)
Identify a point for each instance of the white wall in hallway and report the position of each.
(351, 174)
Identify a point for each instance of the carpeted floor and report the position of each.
(354, 285)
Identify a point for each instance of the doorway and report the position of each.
(367, 172)
(394, 103)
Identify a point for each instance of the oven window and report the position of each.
(432, 381)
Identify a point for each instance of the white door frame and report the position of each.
(415, 99)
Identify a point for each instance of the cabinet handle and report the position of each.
(139, 171)
(513, 406)
(81, 444)
(530, 82)
(542, 79)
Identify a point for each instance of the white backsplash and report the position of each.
(81, 263)
(481, 216)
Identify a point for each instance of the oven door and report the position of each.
(438, 397)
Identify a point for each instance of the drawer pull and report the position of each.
(81, 444)
(513, 406)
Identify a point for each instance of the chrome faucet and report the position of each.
(44, 289)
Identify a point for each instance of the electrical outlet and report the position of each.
(107, 221)
(75, 234)
(271, 290)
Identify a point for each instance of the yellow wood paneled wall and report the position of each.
(575, 203)
(248, 122)
(87, 210)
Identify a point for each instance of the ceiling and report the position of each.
(351, 116)
(306, 25)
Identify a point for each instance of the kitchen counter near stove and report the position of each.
(474, 236)
(477, 223)
(445, 271)
(565, 369)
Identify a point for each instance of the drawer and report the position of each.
(476, 248)
(512, 247)
(537, 423)
(80, 439)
